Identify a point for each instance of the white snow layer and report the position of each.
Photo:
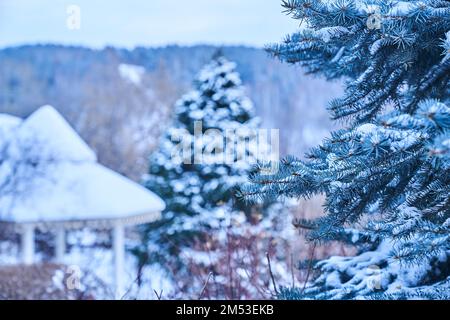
(48, 173)
(131, 73)
(7, 125)
(46, 135)
(8, 122)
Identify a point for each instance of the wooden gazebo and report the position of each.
(51, 180)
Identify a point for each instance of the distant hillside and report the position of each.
(120, 100)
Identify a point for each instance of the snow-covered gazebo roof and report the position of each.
(85, 192)
(67, 184)
(50, 179)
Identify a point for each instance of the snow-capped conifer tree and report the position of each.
(209, 151)
(386, 176)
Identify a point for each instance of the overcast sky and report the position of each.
(128, 23)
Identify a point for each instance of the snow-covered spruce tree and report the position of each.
(204, 219)
(386, 176)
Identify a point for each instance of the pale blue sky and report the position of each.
(128, 23)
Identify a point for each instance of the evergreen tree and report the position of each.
(386, 176)
(200, 193)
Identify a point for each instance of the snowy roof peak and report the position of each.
(7, 120)
(47, 135)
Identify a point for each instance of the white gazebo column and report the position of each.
(60, 244)
(119, 258)
(27, 243)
